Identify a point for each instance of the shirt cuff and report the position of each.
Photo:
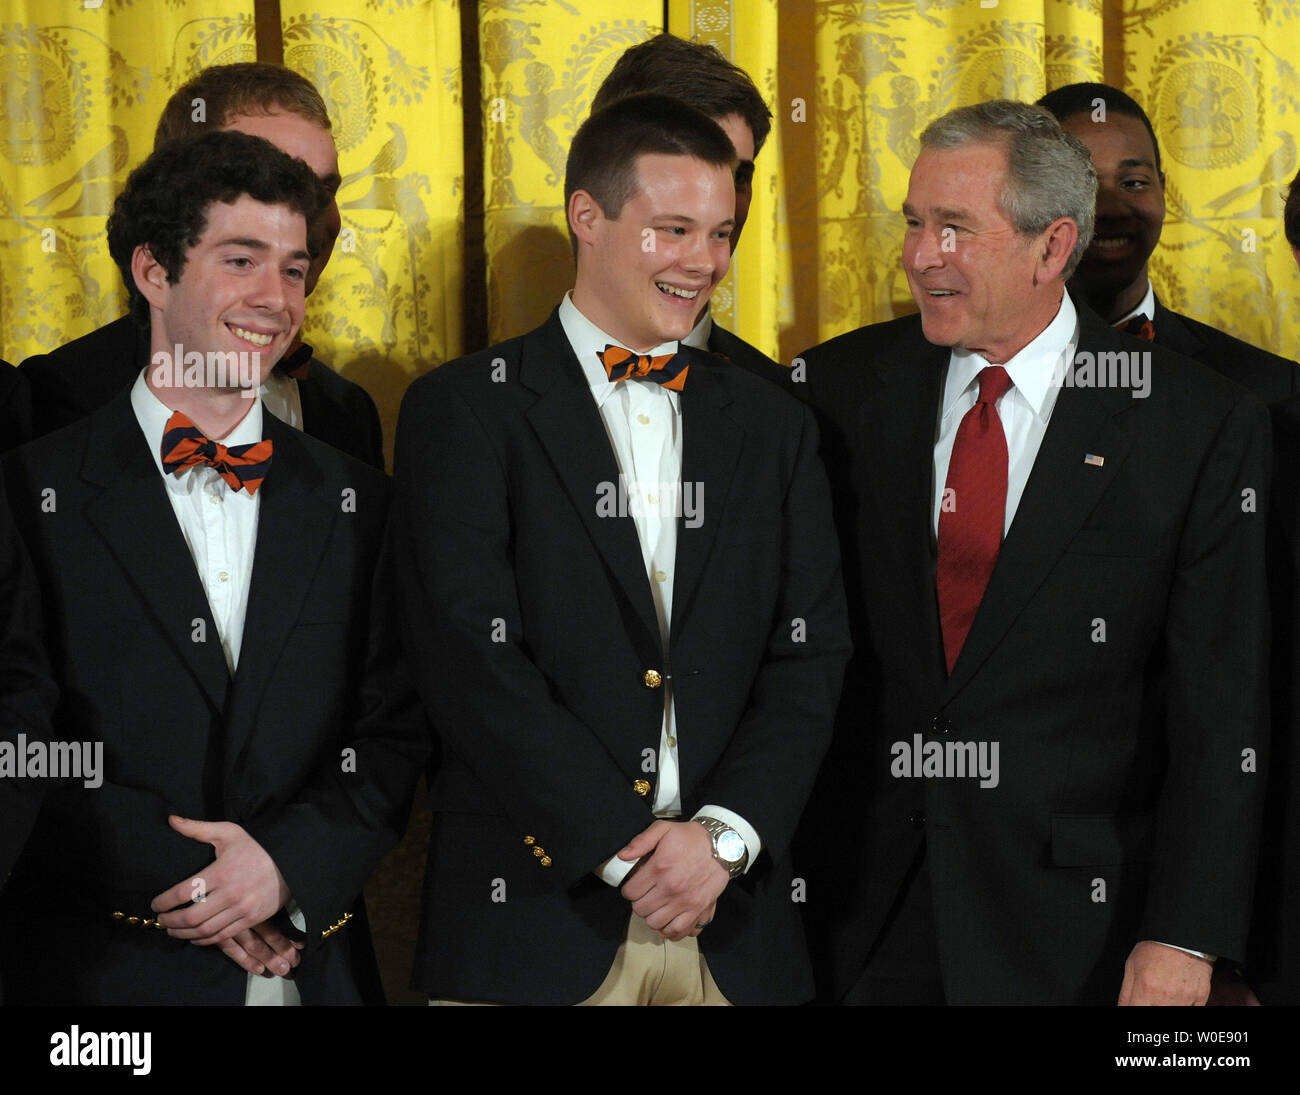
(743, 827)
(1186, 950)
(296, 917)
(614, 870)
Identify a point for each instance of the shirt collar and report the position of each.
(1034, 371)
(701, 332)
(152, 415)
(1147, 309)
(295, 364)
(587, 341)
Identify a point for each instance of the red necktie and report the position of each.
(1140, 327)
(668, 370)
(243, 466)
(973, 508)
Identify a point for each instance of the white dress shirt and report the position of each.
(644, 425)
(1147, 309)
(1025, 408)
(220, 529)
(700, 333)
(281, 397)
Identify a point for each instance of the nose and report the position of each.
(1110, 201)
(266, 290)
(706, 256)
(926, 246)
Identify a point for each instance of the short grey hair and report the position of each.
(1049, 172)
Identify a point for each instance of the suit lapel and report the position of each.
(322, 418)
(711, 445)
(1061, 492)
(294, 522)
(897, 426)
(568, 426)
(1173, 333)
(136, 520)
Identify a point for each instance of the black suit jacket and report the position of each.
(1122, 811)
(1273, 964)
(27, 691)
(15, 408)
(531, 626)
(739, 352)
(81, 376)
(139, 663)
(1269, 376)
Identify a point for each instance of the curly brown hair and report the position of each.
(164, 204)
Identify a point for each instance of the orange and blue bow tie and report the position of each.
(242, 467)
(668, 370)
(1140, 327)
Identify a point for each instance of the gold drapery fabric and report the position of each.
(389, 304)
(81, 87)
(851, 85)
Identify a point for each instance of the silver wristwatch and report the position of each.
(728, 845)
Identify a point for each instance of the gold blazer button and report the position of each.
(651, 678)
(641, 787)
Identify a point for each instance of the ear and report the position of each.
(1055, 246)
(584, 214)
(150, 277)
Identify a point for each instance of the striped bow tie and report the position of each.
(1140, 327)
(668, 370)
(244, 466)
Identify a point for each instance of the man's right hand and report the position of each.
(262, 947)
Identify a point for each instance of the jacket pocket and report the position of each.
(1100, 840)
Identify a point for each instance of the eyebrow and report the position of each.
(1137, 161)
(256, 245)
(909, 210)
(332, 181)
(684, 219)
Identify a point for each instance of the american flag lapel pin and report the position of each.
(1094, 461)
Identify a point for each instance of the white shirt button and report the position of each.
(660, 576)
(644, 419)
(654, 499)
(223, 575)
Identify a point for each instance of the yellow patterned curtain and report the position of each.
(389, 304)
(82, 83)
(1220, 85)
(851, 85)
(754, 299)
(1215, 79)
(541, 64)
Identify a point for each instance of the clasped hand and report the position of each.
(233, 900)
(675, 886)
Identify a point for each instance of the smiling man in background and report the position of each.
(1112, 276)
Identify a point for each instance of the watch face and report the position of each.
(730, 847)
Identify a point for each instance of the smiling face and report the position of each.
(644, 277)
(980, 285)
(241, 288)
(304, 140)
(1130, 212)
